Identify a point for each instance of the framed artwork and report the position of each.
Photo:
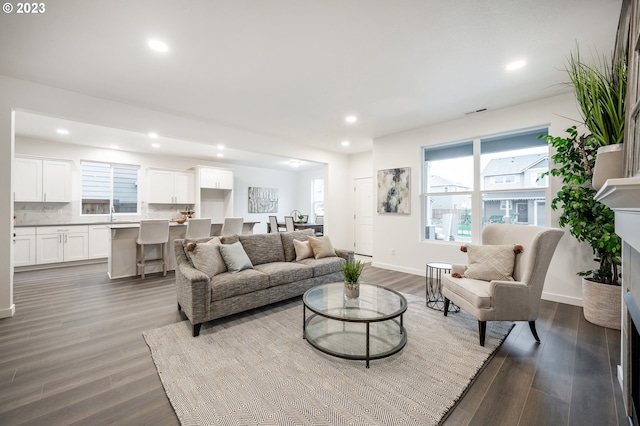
(263, 200)
(394, 191)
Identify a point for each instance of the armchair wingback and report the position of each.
(516, 300)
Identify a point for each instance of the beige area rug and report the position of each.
(255, 368)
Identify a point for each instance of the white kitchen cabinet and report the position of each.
(171, 187)
(62, 244)
(38, 180)
(24, 246)
(98, 241)
(216, 178)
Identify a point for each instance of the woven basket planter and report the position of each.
(602, 304)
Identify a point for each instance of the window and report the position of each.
(317, 196)
(505, 189)
(106, 186)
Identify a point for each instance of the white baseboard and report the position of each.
(553, 297)
(9, 312)
(398, 268)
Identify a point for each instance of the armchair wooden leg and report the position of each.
(446, 306)
(482, 329)
(532, 326)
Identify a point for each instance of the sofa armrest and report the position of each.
(345, 254)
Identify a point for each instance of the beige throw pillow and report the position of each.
(206, 256)
(321, 247)
(491, 262)
(303, 249)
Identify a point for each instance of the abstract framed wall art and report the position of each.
(394, 190)
(263, 200)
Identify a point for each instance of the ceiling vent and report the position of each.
(476, 111)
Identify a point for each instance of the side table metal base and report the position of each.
(434, 297)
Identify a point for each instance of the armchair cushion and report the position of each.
(490, 262)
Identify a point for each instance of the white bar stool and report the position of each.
(232, 225)
(198, 228)
(152, 232)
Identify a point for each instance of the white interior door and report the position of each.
(364, 216)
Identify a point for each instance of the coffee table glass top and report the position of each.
(374, 304)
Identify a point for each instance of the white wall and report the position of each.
(22, 95)
(402, 232)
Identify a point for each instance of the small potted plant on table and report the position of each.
(351, 270)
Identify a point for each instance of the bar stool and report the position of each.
(232, 225)
(198, 228)
(152, 232)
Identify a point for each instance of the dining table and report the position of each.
(318, 228)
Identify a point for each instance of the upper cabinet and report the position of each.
(216, 178)
(171, 187)
(37, 180)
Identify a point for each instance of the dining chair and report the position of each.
(288, 221)
(273, 225)
(319, 232)
(198, 228)
(232, 225)
(152, 231)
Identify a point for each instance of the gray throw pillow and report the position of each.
(235, 257)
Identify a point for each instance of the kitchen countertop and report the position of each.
(114, 224)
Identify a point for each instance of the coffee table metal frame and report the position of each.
(365, 320)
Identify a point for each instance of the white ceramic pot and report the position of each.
(602, 304)
(609, 165)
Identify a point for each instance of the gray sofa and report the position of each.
(275, 276)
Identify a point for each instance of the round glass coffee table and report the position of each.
(364, 328)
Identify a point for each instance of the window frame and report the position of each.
(112, 166)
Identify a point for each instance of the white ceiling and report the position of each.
(293, 69)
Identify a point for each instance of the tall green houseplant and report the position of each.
(601, 94)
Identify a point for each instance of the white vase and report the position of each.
(609, 165)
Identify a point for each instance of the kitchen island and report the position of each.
(122, 247)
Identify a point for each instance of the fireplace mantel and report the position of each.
(623, 197)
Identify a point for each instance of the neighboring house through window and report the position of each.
(106, 186)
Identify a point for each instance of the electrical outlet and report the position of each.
(393, 252)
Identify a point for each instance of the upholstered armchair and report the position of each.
(489, 288)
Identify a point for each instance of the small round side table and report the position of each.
(435, 300)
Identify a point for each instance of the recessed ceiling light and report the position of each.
(295, 163)
(113, 146)
(153, 135)
(63, 131)
(158, 46)
(220, 146)
(155, 145)
(345, 143)
(512, 66)
(220, 155)
(351, 119)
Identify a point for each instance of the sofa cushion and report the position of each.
(303, 249)
(285, 272)
(205, 256)
(322, 247)
(228, 285)
(490, 262)
(263, 248)
(235, 257)
(287, 242)
(476, 292)
(324, 266)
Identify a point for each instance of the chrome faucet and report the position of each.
(112, 211)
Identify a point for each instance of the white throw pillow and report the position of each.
(303, 249)
(490, 262)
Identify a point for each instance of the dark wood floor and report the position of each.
(74, 354)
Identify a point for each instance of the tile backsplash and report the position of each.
(63, 213)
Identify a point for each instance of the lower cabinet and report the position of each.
(62, 244)
(24, 246)
(98, 241)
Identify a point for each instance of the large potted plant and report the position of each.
(600, 94)
(601, 91)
